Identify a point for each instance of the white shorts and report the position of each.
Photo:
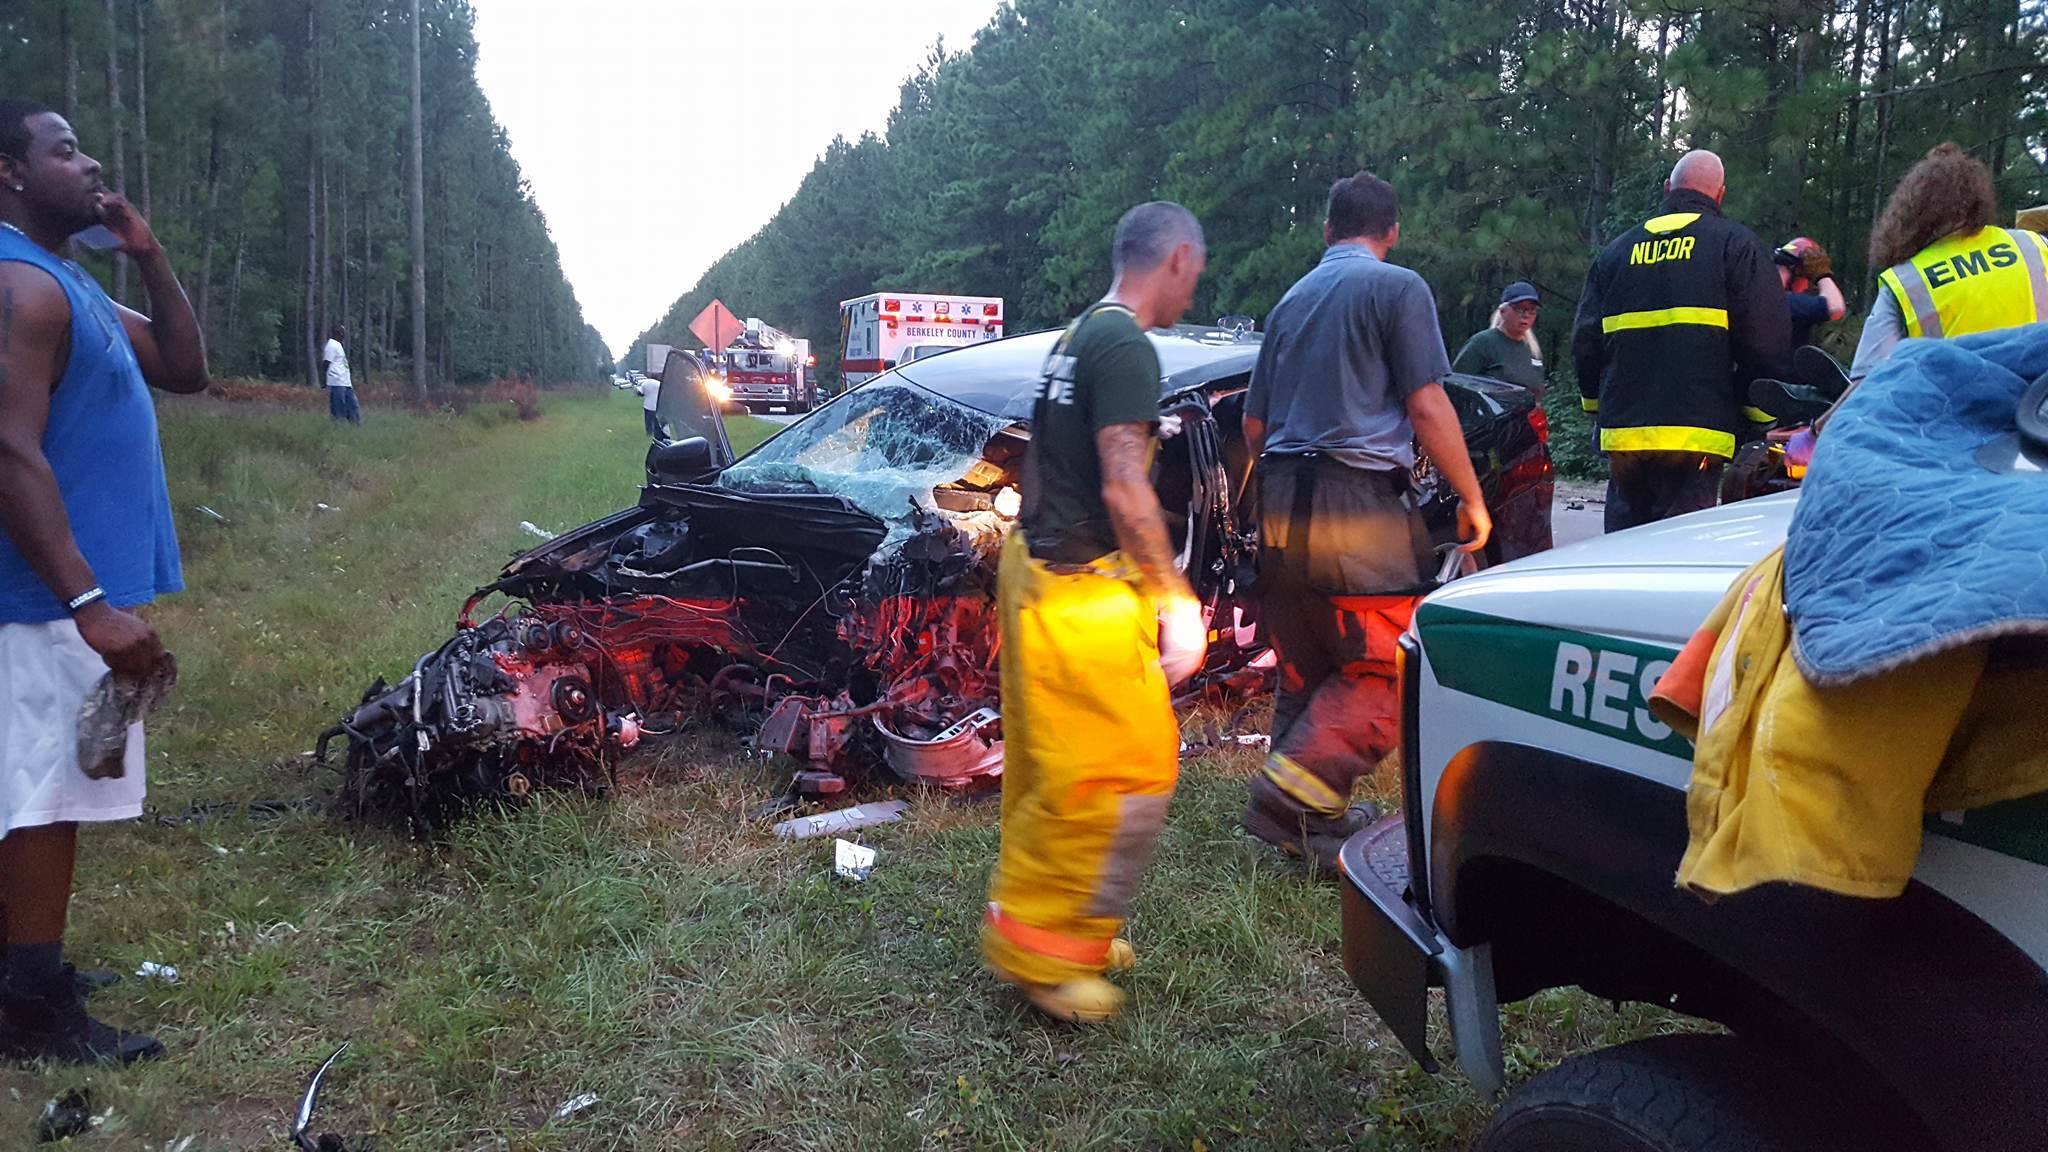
(46, 670)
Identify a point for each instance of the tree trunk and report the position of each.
(120, 127)
(310, 304)
(210, 230)
(211, 223)
(419, 225)
(142, 103)
(326, 253)
(1880, 176)
(363, 280)
(69, 35)
(341, 313)
(235, 284)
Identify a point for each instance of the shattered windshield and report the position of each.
(883, 446)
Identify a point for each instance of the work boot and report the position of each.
(1272, 817)
(1122, 957)
(1086, 1000)
(52, 1025)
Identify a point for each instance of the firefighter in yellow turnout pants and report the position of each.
(1097, 624)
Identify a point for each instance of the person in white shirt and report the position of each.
(650, 394)
(341, 387)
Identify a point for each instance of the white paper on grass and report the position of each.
(853, 861)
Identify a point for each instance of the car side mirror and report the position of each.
(686, 461)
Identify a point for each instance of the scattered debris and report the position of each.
(575, 1104)
(210, 514)
(1255, 739)
(1575, 505)
(151, 970)
(110, 712)
(842, 820)
(852, 861)
(202, 811)
(303, 1118)
(327, 507)
(533, 529)
(66, 1116)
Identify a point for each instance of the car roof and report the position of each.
(998, 377)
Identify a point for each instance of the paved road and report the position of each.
(777, 417)
(1569, 525)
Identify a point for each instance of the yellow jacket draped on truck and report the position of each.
(1829, 787)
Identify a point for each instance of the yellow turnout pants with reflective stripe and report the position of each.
(1091, 752)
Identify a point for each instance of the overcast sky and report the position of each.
(659, 134)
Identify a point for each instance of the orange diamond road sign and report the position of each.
(716, 326)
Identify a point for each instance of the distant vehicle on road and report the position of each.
(768, 368)
(881, 330)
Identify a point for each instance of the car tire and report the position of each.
(800, 407)
(1667, 1094)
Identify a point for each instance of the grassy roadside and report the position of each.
(713, 987)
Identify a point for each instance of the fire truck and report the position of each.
(881, 330)
(765, 368)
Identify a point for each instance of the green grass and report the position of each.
(716, 988)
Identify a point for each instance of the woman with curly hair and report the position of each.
(1947, 270)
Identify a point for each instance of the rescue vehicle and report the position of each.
(883, 329)
(1542, 821)
(766, 368)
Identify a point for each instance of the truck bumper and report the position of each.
(1394, 955)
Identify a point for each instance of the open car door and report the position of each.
(685, 407)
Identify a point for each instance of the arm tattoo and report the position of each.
(1126, 451)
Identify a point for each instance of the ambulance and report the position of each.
(883, 329)
(1542, 821)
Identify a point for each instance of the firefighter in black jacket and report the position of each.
(1679, 314)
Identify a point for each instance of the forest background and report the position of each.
(267, 141)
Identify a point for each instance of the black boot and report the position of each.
(1273, 817)
(52, 1025)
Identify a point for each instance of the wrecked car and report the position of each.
(832, 593)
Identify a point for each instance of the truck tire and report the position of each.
(1666, 1094)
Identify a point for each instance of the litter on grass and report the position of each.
(151, 970)
(575, 1104)
(66, 1116)
(852, 861)
(842, 820)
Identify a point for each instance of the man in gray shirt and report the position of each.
(1347, 381)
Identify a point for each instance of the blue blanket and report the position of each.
(1903, 545)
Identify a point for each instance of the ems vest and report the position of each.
(1676, 299)
(1995, 278)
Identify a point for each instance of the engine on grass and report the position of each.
(892, 667)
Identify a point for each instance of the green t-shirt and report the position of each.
(1490, 353)
(1102, 371)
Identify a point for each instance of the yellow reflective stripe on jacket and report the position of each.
(1668, 439)
(1670, 223)
(1756, 415)
(1916, 300)
(1664, 318)
(1994, 278)
(1589, 404)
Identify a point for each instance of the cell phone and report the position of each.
(98, 238)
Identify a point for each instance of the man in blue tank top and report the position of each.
(85, 536)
